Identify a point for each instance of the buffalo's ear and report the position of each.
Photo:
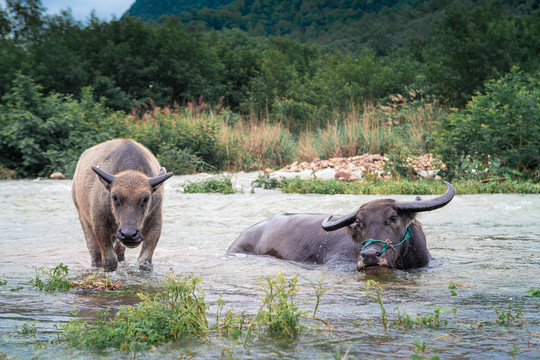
(103, 176)
(157, 181)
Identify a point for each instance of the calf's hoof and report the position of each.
(146, 266)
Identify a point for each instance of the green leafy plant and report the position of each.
(176, 312)
(29, 329)
(222, 185)
(231, 324)
(377, 297)
(534, 292)
(420, 348)
(510, 316)
(55, 279)
(265, 181)
(278, 316)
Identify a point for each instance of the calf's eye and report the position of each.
(144, 202)
(393, 218)
(115, 200)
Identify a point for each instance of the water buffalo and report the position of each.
(118, 194)
(382, 234)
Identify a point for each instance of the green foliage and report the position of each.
(498, 133)
(404, 187)
(56, 279)
(265, 181)
(29, 329)
(420, 348)
(184, 141)
(221, 185)
(231, 324)
(534, 292)
(370, 284)
(431, 320)
(44, 134)
(177, 312)
(278, 315)
(471, 47)
(2, 281)
(510, 316)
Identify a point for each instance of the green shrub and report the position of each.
(56, 279)
(222, 185)
(176, 312)
(191, 136)
(40, 134)
(497, 134)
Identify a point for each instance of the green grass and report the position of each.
(220, 185)
(404, 187)
(177, 312)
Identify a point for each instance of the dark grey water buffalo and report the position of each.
(380, 235)
(118, 194)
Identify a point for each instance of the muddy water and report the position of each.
(488, 244)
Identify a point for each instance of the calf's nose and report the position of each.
(128, 233)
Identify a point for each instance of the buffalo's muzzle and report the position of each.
(129, 236)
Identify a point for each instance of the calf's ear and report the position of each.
(105, 178)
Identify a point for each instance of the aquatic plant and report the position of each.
(534, 292)
(231, 324)
(221, 185)
(431, 320)
(378, 299)
(176, 312)
(420, 348)
(278, 315)
(510, 315)
(29, 329)
(55, 279)
(2, 281)
(265, 181)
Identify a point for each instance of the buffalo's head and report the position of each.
(387, 233)
(131, 199)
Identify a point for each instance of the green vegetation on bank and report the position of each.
(225, 101)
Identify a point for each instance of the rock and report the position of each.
(57, 176)
(345, 176)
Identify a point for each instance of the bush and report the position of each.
(221, 185)
(40, 134)
(497, 133)
(191, 135)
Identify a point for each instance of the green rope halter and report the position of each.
(368, 242)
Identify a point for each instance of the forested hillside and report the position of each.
(344, 24)
(153, 10)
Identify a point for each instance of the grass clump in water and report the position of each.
(221, 185)
(55, 279)
(278, 315)
(176, 312)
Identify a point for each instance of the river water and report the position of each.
(489, 245)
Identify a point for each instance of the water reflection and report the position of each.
(488, 244)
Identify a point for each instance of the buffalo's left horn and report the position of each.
(339, 223)
(160, 178)
(108, 178)
(430, 204)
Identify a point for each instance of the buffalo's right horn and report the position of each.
(430, 204)
(339, 223)
(108, 178)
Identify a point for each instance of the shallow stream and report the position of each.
(489, 245)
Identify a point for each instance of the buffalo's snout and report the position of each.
(129, 236)
(370, 257)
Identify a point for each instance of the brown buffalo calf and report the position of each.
(118, 194)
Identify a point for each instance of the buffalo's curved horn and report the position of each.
(160, 178)
(430, 204)
(105, 176)
(339, 223)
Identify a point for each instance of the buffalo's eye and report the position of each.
(144, 202)
(358, 225)
(393, 219)
(115, 200)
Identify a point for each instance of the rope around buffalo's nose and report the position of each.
(387, 244)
